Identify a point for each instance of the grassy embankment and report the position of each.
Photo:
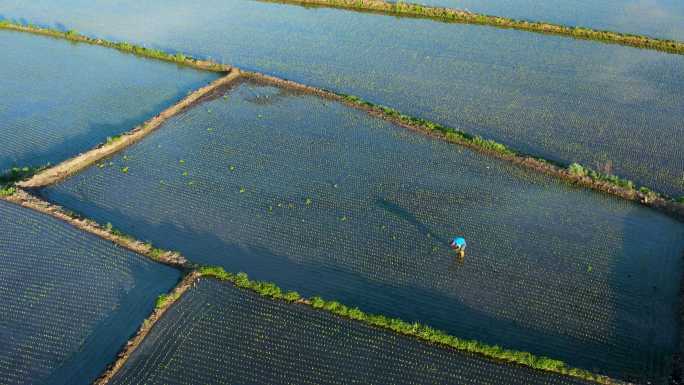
(460, 16)
(178, 58)
(416, 330)
(573, 173)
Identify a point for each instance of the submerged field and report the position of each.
(217, 334)
(69, 300)
(328, 201)
(58, 99)
(609, 107)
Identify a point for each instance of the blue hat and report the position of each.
(460, 242)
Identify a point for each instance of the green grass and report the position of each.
(14, 175)
(116, 232)
(578, 170)
(113, 139)
(164, 300)
(460, 16)
(417, 330)
(7, 191)
(155, 253)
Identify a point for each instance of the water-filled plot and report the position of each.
(217, 334)
(69, 300)
(58, 99)
(614, 108)
(327, 200)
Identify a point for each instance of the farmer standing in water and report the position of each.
(458, 244)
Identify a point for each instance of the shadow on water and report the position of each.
(95, 134)
(410, 303)
(407, 216)
(647, 274)
(110, 334)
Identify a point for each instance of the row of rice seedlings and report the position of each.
(417, 330)
(461, 16)
(75, 36)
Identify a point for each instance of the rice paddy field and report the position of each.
(327, 200)
(338, 195)
(658, 18)
(58, 99)
(69, 300)
(217, 334)
(610, 107)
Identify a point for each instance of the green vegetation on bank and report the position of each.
(417, 330)
(577, 169)
(152, 252)
(574, 170)
(460, 16)
(7, 191)
(166, 299)
(14, 175)
(74, 36)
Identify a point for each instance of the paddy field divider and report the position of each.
(573, 173)
(186, 282)
(453, 15)
(270, 290)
